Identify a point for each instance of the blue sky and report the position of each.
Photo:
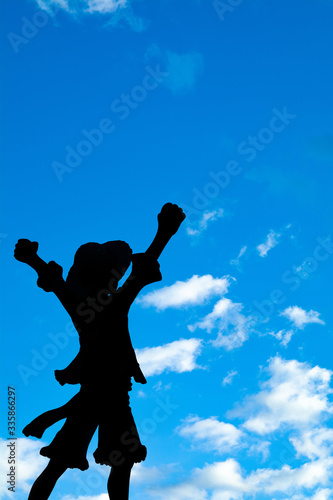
(111, 109)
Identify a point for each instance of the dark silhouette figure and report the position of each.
(106, 360)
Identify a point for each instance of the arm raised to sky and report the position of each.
(145, 269)
(50, 277)
(169, 220)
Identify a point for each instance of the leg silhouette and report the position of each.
(118, 483)
(44, 484)
(37, 427)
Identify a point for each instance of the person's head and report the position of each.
(97, 264)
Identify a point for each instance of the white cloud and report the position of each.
(182, 491)
(295, 395)
(194, 291)
(161, 387)
(121, 10)
(226, 481)
(309, 475)
(236, 262)
(179, 356)
(83, 6)
(203, 222)
(229, 377)
(29, 464)
(222, 477)
(210, 433)
(226, 475)
(50, 5)
(260, 448)
(299, 317)
(295, 398)
(323, 494)
(283, 335)
(104, 6)
(272, 239)
(314, 443)
(143, 474)
(233, 327)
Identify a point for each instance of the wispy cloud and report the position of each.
(236, 262)
(119, 12)
(104, 6)
(229, 377)
(84, 6)
(125, 17)
(272, 239)
(202, 224)
(195, 291)
(284, 336)
(184, 69)
(179, 356)
(233, 326)
(299, 317)
(49, 5)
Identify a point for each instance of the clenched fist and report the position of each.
(170, 218)
(25, 250)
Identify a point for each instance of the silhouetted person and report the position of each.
(106, 360)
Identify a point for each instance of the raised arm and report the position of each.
(50, 279)
(169, 221)
(145, 268)
(49, 274)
